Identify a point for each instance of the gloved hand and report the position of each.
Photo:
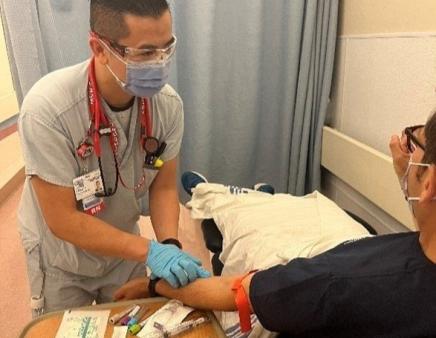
(178, 268)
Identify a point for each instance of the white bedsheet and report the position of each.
(261, 230)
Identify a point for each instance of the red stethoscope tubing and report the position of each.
(98, 116)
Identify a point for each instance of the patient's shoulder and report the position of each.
(376, 255)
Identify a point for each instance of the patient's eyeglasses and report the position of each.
(412, 141)
(141, 55)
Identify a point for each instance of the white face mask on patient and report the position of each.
(404, 184)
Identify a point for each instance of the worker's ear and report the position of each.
(98, 50)
(429, 185)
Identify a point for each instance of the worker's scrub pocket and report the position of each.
(36, 279)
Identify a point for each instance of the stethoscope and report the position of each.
(100, 125)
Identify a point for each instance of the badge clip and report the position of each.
(85, 149)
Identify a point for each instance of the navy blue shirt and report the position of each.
(382, 286)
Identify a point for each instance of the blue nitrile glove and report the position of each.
(178, 268)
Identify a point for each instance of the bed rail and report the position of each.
(367, 170)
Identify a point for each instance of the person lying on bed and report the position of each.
(380, 286)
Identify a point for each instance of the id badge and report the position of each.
(93, 205)
(88, 185)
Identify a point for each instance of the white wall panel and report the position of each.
(383, 83)
(334, 113)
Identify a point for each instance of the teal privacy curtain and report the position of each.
(254, 75)
(42, 36)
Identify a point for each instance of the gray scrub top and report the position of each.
(53, 121)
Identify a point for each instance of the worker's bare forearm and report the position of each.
(164, 211)
(92, 234)
(87, 232)
(164, 202)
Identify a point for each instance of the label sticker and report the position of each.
(93, 205)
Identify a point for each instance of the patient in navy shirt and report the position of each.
(382, 286)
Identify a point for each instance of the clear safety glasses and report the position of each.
(142, 55)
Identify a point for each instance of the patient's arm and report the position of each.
(213, 293)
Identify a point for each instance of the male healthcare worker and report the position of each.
(100, 138)
(382, 286)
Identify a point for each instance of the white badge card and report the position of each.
(88, 185)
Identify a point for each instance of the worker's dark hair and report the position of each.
(107, 16)
(430, 140)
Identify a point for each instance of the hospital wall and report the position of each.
(384, 80)
(8, 101)
(11, 162)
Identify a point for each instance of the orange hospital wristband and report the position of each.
(242, 303)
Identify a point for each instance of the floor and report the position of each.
(14, 298)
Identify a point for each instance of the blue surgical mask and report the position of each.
(144, 80)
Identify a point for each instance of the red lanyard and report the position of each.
(102, 124)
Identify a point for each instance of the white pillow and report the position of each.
(261, 230)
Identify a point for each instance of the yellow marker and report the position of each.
(159, 163)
